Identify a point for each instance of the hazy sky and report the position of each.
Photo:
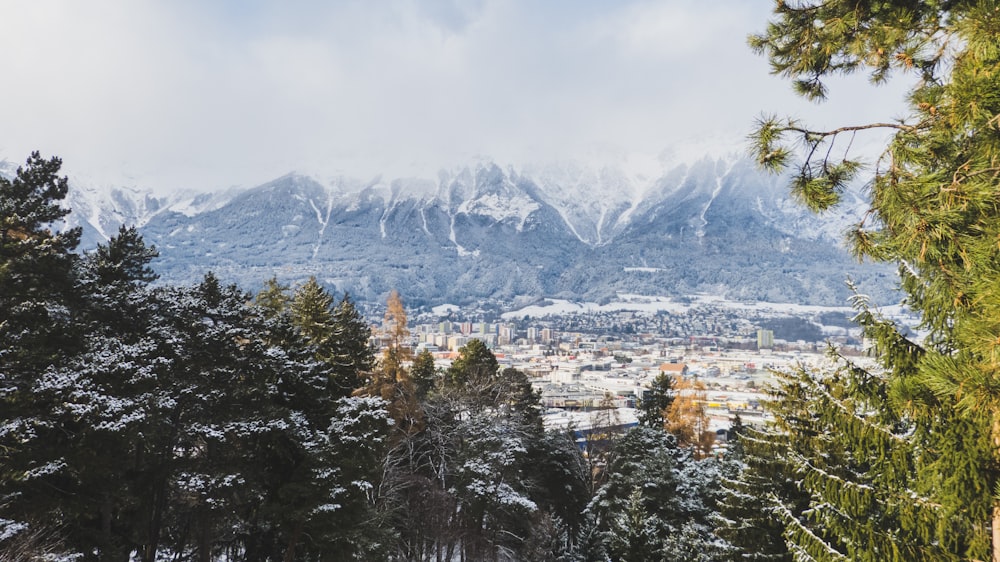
(206, 94)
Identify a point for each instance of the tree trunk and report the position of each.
(293, 541)
(995, 522)
(996, 531)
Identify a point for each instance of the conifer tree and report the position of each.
(312, 313)
(340, 334)
(754, 481)
(116, 310)
(656, 401)
(475, 364)
(354, 351)
(933, 210)
(655, 490)
(391, 380)
(39, 336)
(475, 481)
(423, 374)
(394, 325)
(273, 298)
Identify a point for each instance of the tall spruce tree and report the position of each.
(339, 332)
(354, 352)
(273, 299)
(754, 484)
(103, 392)
(934, 210)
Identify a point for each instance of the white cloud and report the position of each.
(209, 94)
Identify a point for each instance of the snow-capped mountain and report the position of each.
(484, 231)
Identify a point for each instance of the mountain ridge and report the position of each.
(486, 232)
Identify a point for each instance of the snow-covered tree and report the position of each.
(657, 501)
(655, 402)
(38, 336)
(475, 480)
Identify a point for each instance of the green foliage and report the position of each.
(143, 423)
(655, 492)
(312, 313)
(481, 479)
(423, 373)
(339, 333)
(475, 362)
(273, 299)
(754, 480)
(930, 420)
(354, 352)
(656, 401)
(39, 335)
(878, 485)
(37, 280)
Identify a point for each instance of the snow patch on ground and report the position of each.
(445, 309)
(653, 304)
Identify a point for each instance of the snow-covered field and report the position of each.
(654, 304)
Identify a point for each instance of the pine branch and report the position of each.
(855, 128)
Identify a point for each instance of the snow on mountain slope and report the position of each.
(483, 231)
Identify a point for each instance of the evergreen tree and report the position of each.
(354, 356)
(273, 298)
(475, 363)
(655, 490)
(755, 480)
(481, 479)
(102, 395)
(423, 373)
(933, 210)
(39, 336)
(340, 334)
(656, 401)
(312, 313)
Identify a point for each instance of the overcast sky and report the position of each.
(208, 94)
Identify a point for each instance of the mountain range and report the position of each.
(489, 233)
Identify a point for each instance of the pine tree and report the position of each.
(354, 355)
(481, 479)
(655, 490)
(424, 374)
(273, 298)
(312, 313)
(878, 484)
(656, 401)
(340, 334)
(102, 395)
(933, 210)
(753, 482)
(475, 364)
(39, 336)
